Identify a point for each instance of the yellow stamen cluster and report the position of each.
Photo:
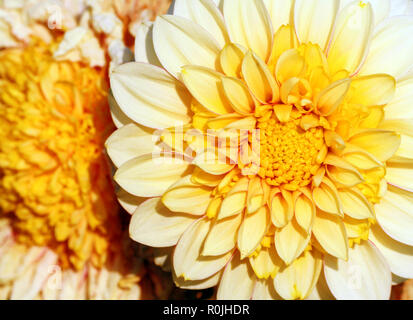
(54, 178)
(288, 153)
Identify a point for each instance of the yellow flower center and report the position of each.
(53, 175)
(288, 153)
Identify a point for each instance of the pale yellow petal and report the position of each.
(149, 175)
(150, 96)
(188, 261)
(330, 233)
(297, 280)
(249, 24)
(154, 225)
(187, 197)
(205, 85)
(353, 30)
(179, 42)
(259, 79)
(252, 230)
(222, 237)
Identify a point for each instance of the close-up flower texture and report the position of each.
(61, 231)
(265, 146)
(206, 149)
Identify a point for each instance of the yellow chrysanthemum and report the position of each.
(60, 230)
(272, 139)
(55, 180)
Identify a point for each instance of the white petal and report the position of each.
(249, 24)
(206, 14)
(144, 49)
(298, 279)
(150, 175)
(395, 214)
(188, 261)
(314, 20)
(154, 225)
(264, 290)
(321, 290)
(128, 201)
(150, 96)
(398, 255)
(398, 7)
(130, 141)
(365, 276)
(199, 284)
(352, 33)
(280, 12)
(381, 8)
(237, 282)
(119, 118)
(389, 47)
(400, 106)
(179, 42)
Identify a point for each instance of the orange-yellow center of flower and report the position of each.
(53, 176)
(288, 153)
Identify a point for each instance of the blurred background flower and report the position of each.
(62, 232)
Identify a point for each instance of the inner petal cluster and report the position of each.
(290, 155)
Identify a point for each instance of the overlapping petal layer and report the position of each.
(294, 152)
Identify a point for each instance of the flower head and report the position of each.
(267, 141)
(61, 234)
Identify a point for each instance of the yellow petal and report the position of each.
(259, 79)
(380, 143)
(235, 201)
(284, 39)
(205, 85)
(374, 90)
(329, 99)
(252, 230)
(355, 204)
(330, 232)
(282, 207)
(231, 59)
(186, 197)
(255, 198)
(290, 65)
(266, 264)
(290, 241)
(341, 172)
(238, 95)
(326, 198)
(213, 163)
(304, 210)
(222, 237)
